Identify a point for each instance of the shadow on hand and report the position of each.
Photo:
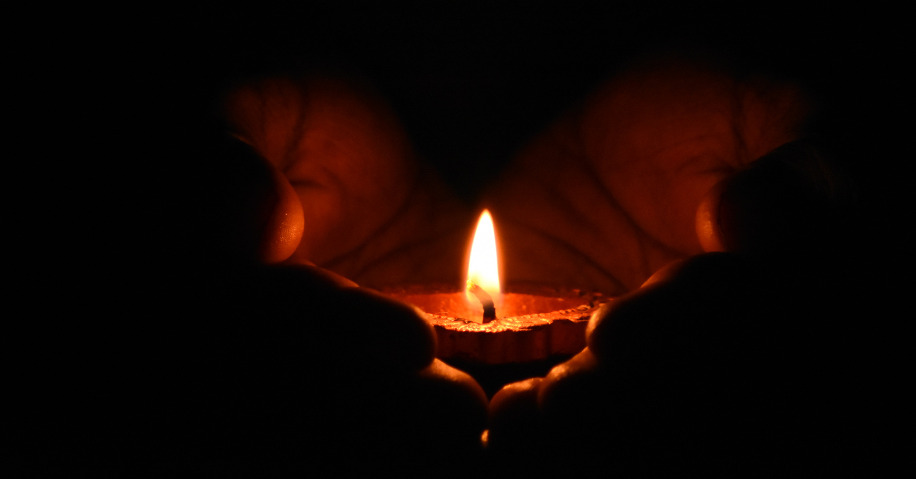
(264, 372)
(722, 365)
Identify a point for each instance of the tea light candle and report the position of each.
(483, 326)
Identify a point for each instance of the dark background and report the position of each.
(473, 80)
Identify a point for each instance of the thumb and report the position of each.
(259, 214)
(791, 199)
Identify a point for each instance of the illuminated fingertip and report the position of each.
(286, 225)
(707, 221)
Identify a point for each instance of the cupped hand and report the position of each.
(649, 169)
(719, 365)
(618, 187)
(255, 362)
(370, 211)
(610, 193)
(315, 370)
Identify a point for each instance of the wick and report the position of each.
(489, 310)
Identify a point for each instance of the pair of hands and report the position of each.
(601, 200)
(659, 165)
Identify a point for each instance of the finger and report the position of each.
(791, 200)
(561, 394)
(322, 318)
(295, 358)
(456, 401)
(371, 213)
(248, 212)
(712, 354)
(577, 409)
(411, 423)
(514, 418)
(340, 147)
(609, 193)
(691, 314)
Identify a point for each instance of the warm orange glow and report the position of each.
(483, 264)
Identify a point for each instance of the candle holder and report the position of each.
(534, 329)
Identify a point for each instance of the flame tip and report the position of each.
(483, 264)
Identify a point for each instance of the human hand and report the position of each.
(265, 371)
(721, 364)
(314, 370)
(611, 192)
(370, 211)
(235, 365)
(718, 363)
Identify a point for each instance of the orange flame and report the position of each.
(483, 264)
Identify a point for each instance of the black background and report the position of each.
(473, 80)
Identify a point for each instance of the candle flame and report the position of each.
(483, 264)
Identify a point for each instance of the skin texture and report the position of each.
(339, 150)
(264, 371)
(601, 200)
(371, 212)
(228, 347)
(720, 365)
(609, 194)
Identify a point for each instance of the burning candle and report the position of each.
(484, 327)
(482, 283)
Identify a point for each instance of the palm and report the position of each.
(601, 200)
(610, 193)
(371, 212)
